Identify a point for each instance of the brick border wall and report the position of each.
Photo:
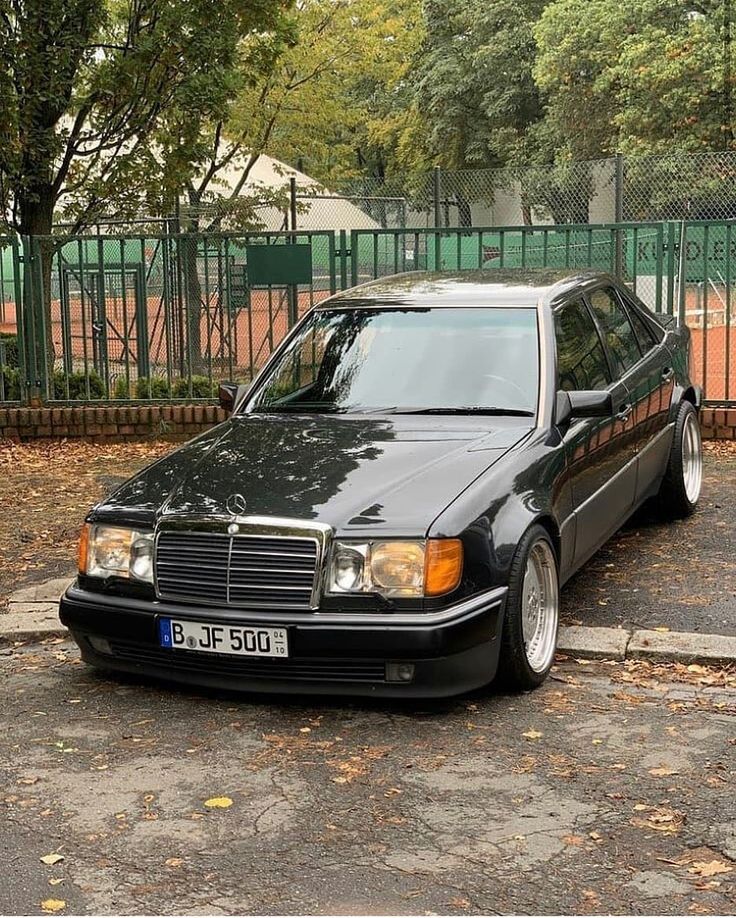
(718, 423)
(136, 422)
(109, 423)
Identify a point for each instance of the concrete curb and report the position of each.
(663, 646)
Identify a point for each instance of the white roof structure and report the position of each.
(318, 207)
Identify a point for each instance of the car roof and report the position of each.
(493, 287)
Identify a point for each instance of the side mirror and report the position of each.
(231, 395)
(583, 403)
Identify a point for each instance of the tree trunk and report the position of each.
(36, 209)
(192, 291)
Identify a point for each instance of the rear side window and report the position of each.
(644, 331)
(581, 360)
(617, 330)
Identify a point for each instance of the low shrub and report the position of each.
(156, 387)
(73, 386)
(9, 384)
(202, 387)
(9, 344)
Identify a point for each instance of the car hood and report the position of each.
(360, 475)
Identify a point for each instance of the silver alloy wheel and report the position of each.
(692, 458)
(540, 606)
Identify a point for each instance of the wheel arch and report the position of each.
(547, 522)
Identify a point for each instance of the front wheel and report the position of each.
(529, 637)
(684, 476)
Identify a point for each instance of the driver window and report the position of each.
(581, 360)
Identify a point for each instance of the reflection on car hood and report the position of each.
(360, 475)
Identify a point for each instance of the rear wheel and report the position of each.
(684, 476)
(529, 637)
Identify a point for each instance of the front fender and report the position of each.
(529, 484)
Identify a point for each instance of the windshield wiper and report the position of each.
(469, 409)
(297, 407)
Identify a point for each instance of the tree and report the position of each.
(474, 87)
(321, 107)
(636, 76)
(102, 101)
(89, 89)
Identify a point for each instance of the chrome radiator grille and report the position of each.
(236, 570)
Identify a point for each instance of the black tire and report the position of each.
(514, 670)
(673, 496)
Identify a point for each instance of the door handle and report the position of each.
(667, 374)
(624, 412)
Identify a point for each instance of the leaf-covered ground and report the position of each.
(610, 790)
(46, 489)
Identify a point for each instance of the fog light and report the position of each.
(399, 672)
(101, 645)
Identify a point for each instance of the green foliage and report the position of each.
(335, 102)
(201, 387)
(474, 86)
(9, 384)
(636, 76)
(157, 387)
(89, 89)
(78, 386)
(9, 344)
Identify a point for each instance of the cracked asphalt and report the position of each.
(609, 790)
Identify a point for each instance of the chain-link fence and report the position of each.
(621, 188)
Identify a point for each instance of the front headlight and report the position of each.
(116, 551)
(397, 568)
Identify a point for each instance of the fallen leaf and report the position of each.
(574, 840)
(27, 780)
(532, 734)
(53, 905)
(709, 868)
(54, 881)
(662, 772)
(173, 861)
(218, 803)
(51, 859)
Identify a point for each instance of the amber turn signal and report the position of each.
(443, 566)
(82, 557)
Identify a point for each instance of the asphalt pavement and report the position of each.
(610, 789)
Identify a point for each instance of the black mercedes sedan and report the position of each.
(394, 502)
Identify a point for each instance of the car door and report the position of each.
(654, 431)
(647, 372)
(601, 456)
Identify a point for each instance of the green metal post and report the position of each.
(619, 215)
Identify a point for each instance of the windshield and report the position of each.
(453, 360)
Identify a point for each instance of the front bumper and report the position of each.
(452, 651)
